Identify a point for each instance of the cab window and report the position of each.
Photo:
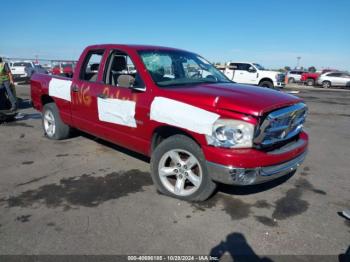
(243, 67)
(121, 71)
(334, 74)
(89, 70)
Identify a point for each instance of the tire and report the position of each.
(291, 80)
(310, 82)
(266, 83)
(173, 155)
(326, 84)
(51, 118)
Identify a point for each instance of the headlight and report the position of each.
(231, 134)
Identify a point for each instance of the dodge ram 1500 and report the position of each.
(198, 127)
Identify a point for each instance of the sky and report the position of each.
(272, 33)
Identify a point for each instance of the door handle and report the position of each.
(75, 88)
(103, 96)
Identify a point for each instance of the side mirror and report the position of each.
(129, 81)
(138, 84)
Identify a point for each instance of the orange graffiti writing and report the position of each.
(83, 97)
(116, 95)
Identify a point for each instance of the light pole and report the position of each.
(298, 61)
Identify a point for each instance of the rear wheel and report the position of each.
(326, 84)
(266, 83)
(179, 169)
(310, 82)
(53, 125)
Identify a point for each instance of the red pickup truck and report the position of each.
(310, 78)
(198, 127)
(64, 69)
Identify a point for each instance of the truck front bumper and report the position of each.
(250, 176)
(252, 166)
(280, 84)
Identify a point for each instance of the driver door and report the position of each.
(123, 103)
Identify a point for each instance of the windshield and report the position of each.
(176, 68)
(260, 67)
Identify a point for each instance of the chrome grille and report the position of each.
(281, 125)
(280, 77)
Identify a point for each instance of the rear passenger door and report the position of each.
(334, 78)
(85, 89)
(230, 71)
(242, 75)
(345, 79)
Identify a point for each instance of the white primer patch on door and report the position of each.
(60, 88)
(172, 112)
(116, 111)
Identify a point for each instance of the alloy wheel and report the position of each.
(49, 123)
(180, 172)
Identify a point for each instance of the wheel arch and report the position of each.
(163, 132)
(265, 79)
(327, 81)
(45, 99)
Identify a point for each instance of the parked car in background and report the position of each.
(254, 74)
(63, 69)
(294, 76)
(330, 79)
(22, 71)
(37, 69)
(310, 79)
(47, 67)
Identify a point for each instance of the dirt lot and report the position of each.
(85, 196)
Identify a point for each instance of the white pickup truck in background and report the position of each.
(22, 70)
(253, 74)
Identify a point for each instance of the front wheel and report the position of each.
(53, 125)
(326, 84)
(310, 82)
(179, 169)
(267, 84)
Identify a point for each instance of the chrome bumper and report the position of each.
(250, 176)
(280, 84)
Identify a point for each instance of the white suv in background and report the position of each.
(254, 74)
(334, 79)
(294, 76)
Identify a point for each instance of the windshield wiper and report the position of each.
(177, 84)
(192, 83)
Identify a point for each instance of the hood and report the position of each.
(270, 73)
(244, 99)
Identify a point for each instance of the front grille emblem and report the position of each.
(281, 125)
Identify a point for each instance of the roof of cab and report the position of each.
(134, 47)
